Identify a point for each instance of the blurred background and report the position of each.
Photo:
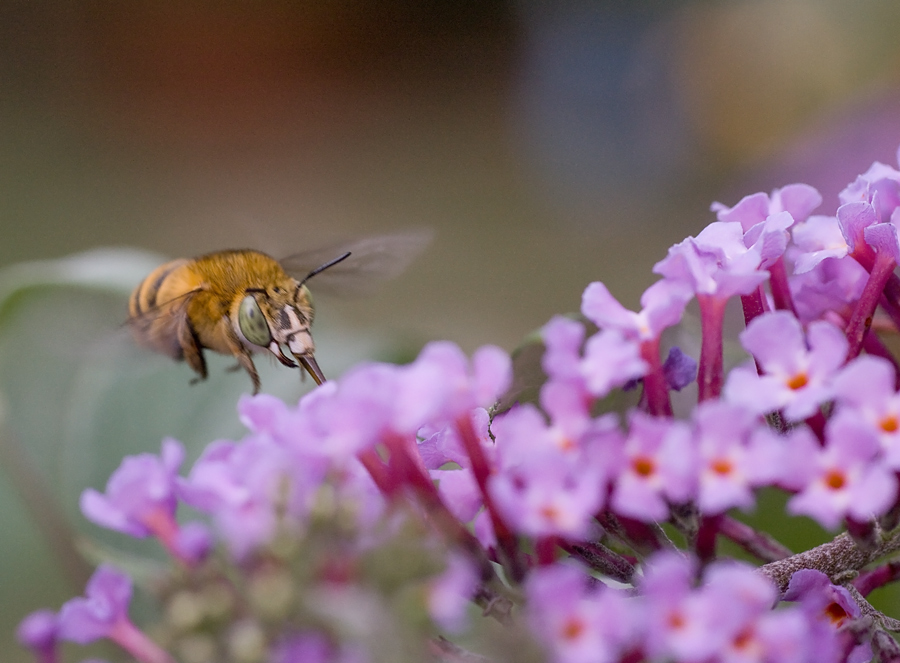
(547, 144)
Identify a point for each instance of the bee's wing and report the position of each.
(158, 328)
(372, 261)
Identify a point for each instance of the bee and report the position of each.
(241, 302)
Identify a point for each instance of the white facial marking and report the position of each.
(301, 344)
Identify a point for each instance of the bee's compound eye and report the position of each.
(252, 323)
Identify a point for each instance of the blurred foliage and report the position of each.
(319, 578)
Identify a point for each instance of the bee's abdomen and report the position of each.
(144, 298)
(155, 318)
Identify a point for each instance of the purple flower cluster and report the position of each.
(566, 499)
(727, 616)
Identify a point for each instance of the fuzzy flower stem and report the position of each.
(781, 291)
(442, 649)
(753, 541)
(864, 255)
(602, 559)
(705, 542)
(656, 390)
(861, 319)
(835, 559)
(754, 305)
(506, 540)
(712, 316)
(638, 536)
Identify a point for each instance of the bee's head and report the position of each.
(280, 317)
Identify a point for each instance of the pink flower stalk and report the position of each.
(662, 304)
(140, 500)
(717, 265)
(103, 613)
(882, 238)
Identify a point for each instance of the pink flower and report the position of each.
(103, 613)
(845, 480)
(721, 435)
(658, 468)
(796, 377)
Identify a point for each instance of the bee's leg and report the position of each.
(242, 354)
(192, 351)
(247, 363)
(236, 367)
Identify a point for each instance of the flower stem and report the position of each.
(861, 318)
(867, 581)
(545, 547)
(834, 558)
(753, 304)
(506, 540)
(712, 316)
(781, 290)
(656, 390)
(602, 559)
(135, 642)
(163, 526)
(705, 541)
(408, 470)
(378, 471)
(753, 541)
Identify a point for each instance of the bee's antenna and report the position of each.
(322, 268)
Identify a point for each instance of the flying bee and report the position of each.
(242, 301)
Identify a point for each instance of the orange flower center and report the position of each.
(573, 628)
(743, 639)
(890, 424)
(798, 381)
(549, 512)
(722, 466)
(677, 620)
(835, 613)
(566, 444)
(835, 480)
(644, 466)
